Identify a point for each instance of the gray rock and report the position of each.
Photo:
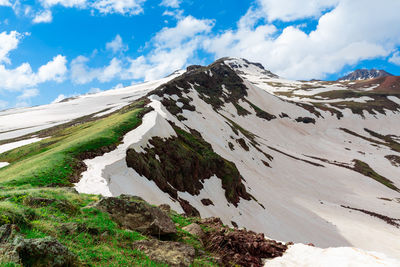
(171, 253)
(44, 252)
(134, 213)
(194, 229)
(33, 252)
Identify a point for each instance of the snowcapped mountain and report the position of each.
(311, 162)
(364, 74)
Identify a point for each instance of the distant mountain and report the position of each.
(364, 74)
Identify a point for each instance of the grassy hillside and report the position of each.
(55, 160)
(85, 231)
(35, 193)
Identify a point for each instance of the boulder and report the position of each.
(194, 229)
(134, 213)
(167, 252)
(33, 252)
(44, 252)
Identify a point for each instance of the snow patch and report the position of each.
(300, 255)
(11, 146)
(3, 164)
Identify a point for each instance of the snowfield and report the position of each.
(300, 255)
(311, 192)
(303, 202)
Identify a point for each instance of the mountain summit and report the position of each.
(364, 74)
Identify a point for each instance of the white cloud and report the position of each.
(171, 3)
(23, 77)
(54, 70)
(289, 10)
(117, 45)
(43, 17)
(59, 98)
(65, 3)
(28, 93)
(395, 58)
(8, 42)
(172, 48)
(130, 7)
(81, 73)
(342, 37)
(5, 3)
(124, 7)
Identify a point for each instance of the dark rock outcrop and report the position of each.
(239, 247)
(207, 202)
(134, 213)
(183, 163)
(306, 120)
(171, 253)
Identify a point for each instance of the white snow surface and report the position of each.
(302, 202)
(300, 255)
(13, 145)
(3, 164)
(22, 121)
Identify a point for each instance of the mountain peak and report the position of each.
(364, 74)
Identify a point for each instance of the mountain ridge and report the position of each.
(364, 74)
(278, 179)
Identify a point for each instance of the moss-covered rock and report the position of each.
(183, 163)
(134, 213)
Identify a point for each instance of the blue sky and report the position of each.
(51, 49)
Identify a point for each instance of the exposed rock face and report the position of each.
(195, 229)
(171, 253)
(134, 213)
(306, 120)
(240, 247)
(364, 74)
(183, 163)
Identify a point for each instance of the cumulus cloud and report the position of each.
(23, 76)
(171, 3)
(125, 7)
(43, 17)
(172, 48)
(289, 10)
(4, 3)
(59, 98)
(395, 58)
(342, 37)
(131, 7)
(8, 42)
(81, 73)
(65, 3)
(117, 45)
(28, 93)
